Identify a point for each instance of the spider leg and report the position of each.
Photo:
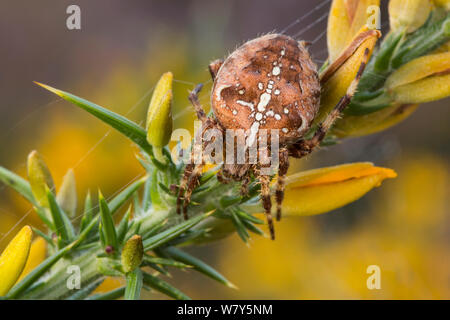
(190, 179)
(282, 170)
(193, 172)
(245, 183)
(193, 98)
(183, 184)
(193, 182)
(267, 202)
(334, 114)
(214, 67)
(223, 177)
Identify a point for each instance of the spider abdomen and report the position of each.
(270, 82)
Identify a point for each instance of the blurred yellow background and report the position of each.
(116, 59)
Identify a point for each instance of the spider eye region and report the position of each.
(268, 83)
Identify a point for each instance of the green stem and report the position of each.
(134, 285)
(56, 285)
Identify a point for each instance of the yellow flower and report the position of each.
(337, 77)
(322, 190)
(442, 3)
(208, 166)
(408, 14)
(345, 19)
(421, 80)
(37, 254)
(13, 259)
(425, 90)
(419, 68)
(355, 126)
(159, 115)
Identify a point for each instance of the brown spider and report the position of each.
(268, 83)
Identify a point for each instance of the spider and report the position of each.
(269, 82)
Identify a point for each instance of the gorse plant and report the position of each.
(410, 66)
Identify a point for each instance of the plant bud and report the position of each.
(339, 74)
(38, 252)
(322, 190)
(13, 259)
(346, 18)
(67, 194)
(442, 4)
(408, 14)
(425, 90)
(361, 125)
(419, 68)
(39, 177)
(309, 192)
(421, 80)
(132, 253)
(159, 115)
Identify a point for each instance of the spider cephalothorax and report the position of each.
(268, 83)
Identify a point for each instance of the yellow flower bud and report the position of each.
(355, 126)
(132, 253)
(67, 194)
(37, 254)
(39, 177)
(345, 19)
(421, 80)
(159, 115)
(425, 90)
(408, 14)
(13, 259)
(442, 3)
(338, 76)
(419, 68)
(322, 190)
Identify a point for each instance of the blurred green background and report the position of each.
(115, 60)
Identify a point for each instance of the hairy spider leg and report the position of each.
(214, 67)
(245, 183)
(193, 98)
(282, 170)
(223, 176)
(191, 169)
(266, 201)
(193, 182)
(183, 184)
